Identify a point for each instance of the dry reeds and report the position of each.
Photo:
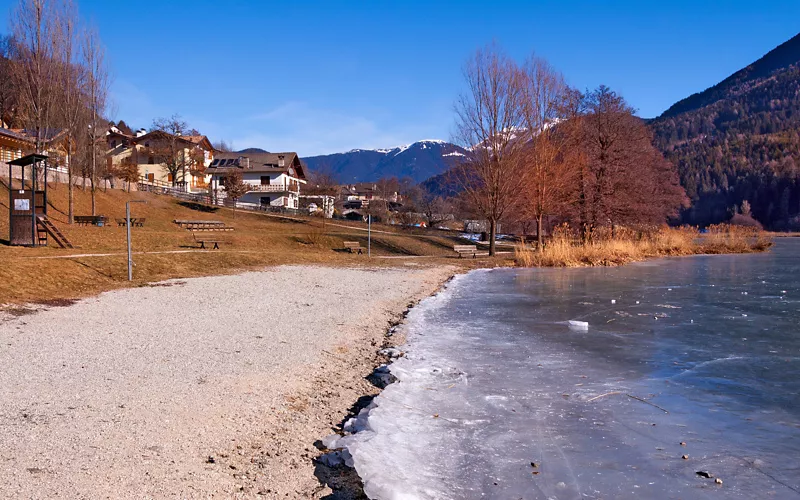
(564, 249)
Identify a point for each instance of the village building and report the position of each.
(162, 158)
(272, 179)
(13, 145)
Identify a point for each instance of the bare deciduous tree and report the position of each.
(490, 124)
(9, 93)
(96, 100)
(223, 146)
(170, 149)
(128, 171)
(234, 186)
(627, 181)
(72, 96)
(36, 35)
(549, 179)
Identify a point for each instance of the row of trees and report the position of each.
(54, 79)
(539, 149)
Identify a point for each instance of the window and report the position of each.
(265, 201)
(169, 177)
(114, 143)
(265, 180)
(151, 161)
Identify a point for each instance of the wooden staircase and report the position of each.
(44, 227)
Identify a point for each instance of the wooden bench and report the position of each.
(90, 220)
(353, 246)
(463, 250)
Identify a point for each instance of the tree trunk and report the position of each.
(70, 190)
(539, 240)
(492, 236)
(93, 172)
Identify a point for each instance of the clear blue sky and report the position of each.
(322, 76)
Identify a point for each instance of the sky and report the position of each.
(320, 77)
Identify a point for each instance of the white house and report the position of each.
(272, 179)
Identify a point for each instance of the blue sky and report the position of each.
(323, 76)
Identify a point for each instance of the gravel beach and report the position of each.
(198, 388)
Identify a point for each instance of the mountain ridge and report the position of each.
(419, 161)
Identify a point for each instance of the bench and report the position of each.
(121, 222)
(463, 250)
(87, 220)
(353, 246)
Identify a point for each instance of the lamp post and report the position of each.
(128, 228)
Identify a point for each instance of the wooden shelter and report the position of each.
(29, 202)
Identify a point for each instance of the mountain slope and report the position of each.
(740, 140)
(419, 161)
(778, 58)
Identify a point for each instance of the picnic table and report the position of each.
(203, 244)
(203, 225)
(135, 222)
(90, 220)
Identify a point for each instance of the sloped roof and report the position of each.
(14, 135)
(47, 134)
(256, 162)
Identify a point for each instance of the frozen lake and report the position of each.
(500, 397)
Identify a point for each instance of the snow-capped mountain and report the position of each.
(419, 161)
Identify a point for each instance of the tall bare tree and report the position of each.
(71, 102)
(9, 93)
(37, 36)
(97, 82)
(490, 124)
(550, 180)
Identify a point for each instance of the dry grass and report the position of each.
(564, 251)
(99, 263)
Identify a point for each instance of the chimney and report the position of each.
(141, 132)
(280, 160)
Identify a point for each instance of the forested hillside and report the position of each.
(740, 140)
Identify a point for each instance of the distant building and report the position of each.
(273, 179)
(478, 226)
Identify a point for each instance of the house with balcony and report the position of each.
(272, 179)
(154, 152)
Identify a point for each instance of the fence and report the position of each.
(61, 175)
(207, 199)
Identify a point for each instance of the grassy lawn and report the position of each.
(47, 274)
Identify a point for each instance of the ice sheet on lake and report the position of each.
(478, 401)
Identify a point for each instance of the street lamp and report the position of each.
(128, 227)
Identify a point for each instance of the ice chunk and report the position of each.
(330, 441)
(578, 325)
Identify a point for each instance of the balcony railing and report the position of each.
(272, 188)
